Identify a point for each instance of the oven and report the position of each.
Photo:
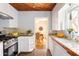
(10, 47)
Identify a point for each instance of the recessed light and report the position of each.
(34, 6)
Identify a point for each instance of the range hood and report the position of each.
(5, 16)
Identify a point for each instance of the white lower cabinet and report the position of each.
(56, 49)
(25, 43)
(51, 45)
(1, 48)
(59, 50)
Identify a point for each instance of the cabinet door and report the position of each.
(31, 43)
(23, 44)
(51, 45)
(26, 44)
(1, 48)
(59, 50)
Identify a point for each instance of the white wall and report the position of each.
(8, 9)
(55, 16)
(26, 18)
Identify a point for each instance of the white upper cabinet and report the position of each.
(8, 9)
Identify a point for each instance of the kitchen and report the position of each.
(18, 29)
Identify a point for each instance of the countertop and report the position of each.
(16, 37)
(25, 35)
(69, 45)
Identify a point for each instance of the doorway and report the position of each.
(41, 32)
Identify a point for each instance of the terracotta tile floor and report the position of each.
(36, 52)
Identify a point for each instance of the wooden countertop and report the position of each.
(70, 46)
(26, 34)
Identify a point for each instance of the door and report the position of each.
(41, 32)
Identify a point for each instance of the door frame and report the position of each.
(47, 29)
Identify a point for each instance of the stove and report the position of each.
(10, 45)
(9, 42)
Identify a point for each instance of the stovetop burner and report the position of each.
(4, 37)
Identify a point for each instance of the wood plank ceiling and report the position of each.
(33, 6)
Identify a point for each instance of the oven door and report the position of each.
(12, 50)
